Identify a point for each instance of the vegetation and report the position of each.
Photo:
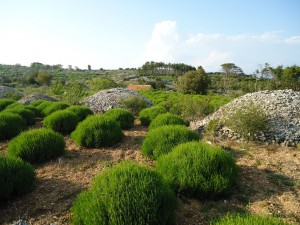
(81, 111)
(37, 145)
(149, 114)
(11, 125)
(62, 121)
(16, 177)
(5, 102)
(189, 107)
(126, 194)
(249, 120)
(56, 106)
(98, 84)
(27, 115)
(161, 141)
(123, 116)
(97, 131)
(42, 106)
(198, 169)
(193, 82)
(134, 104)
(248, 219)
(166, 119)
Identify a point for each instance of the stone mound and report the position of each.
(6, 92)
(280, 106)
(34, 97)
(107, 99)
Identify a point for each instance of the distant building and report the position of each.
(135, 87)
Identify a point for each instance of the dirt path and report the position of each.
(268, 183)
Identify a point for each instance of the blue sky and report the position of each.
(114, 33)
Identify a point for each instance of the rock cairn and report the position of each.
(34, 97)
(8, 91)
(107, 99)
(281, 108)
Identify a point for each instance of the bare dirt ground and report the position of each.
(268, 183)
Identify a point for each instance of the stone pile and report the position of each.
(6, 92)
(34, 97)
(107, 99)
(282, 108)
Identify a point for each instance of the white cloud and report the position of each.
(292, 40)
(162, 43)
(214, 59)
(210, 50)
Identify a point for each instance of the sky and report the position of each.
(111, 34)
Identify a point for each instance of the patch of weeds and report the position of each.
(258, 163)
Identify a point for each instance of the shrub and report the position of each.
(37, 102)
(11, 125)
(161, 141)
(16, 177)
(81, 111)
(248, 121)
(37, 145)
(15, 105)
(18, 105)
(62, 121)
(97, 131)
(35, 111)
(42, 106)
(149, 114)
(128, 193)
(56, 106)
(198, 169)
(134, 104)
(26, 114)
(5, 102)
(123, 116)
(248, 219)
(193, 82)
(166, 119)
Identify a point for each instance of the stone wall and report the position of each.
(107, 99)
(282, 108)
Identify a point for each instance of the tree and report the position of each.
(44, 78)
(193, 82)
(229, 70)
(291, 77)
(89, 67)
(98, 84)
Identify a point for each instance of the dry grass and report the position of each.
(268, 183)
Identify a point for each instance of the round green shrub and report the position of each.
(42, 106)
(56, 106)
(11, 124)
(37, 145)
(123, 116)
(149, 114)
(161, 141)
(62, 121)
(166, 119)
(5, 102)
(127, 193)
(15, 105)
(198, 169)
(97, 131)
(32, 109)
(81, 111)
(37, 102)
(16, 177)
(248, 219)
(27, 115)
